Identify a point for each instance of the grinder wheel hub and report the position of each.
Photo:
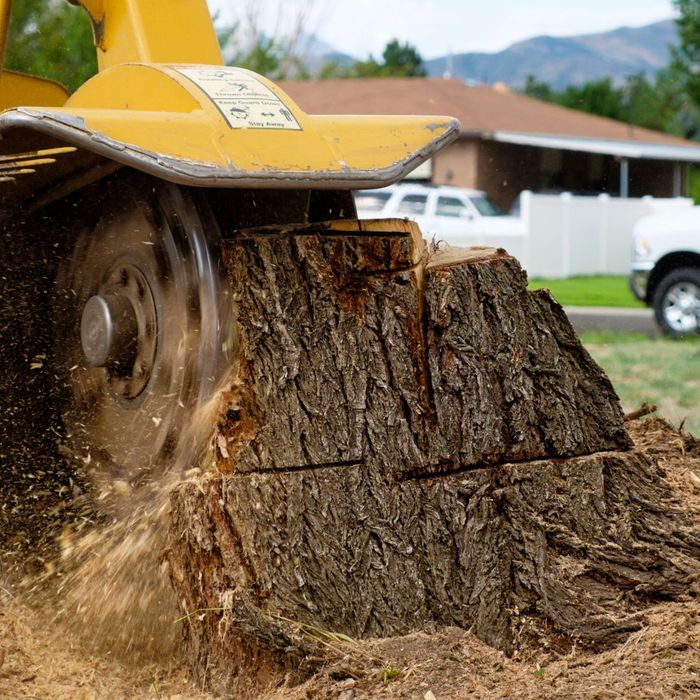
(118, 330)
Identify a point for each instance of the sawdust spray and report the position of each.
(110, 585)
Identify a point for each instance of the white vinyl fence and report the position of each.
(573, 235)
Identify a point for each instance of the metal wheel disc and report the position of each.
(144, 335)
(681, 307)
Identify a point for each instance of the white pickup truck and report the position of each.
(458, 216)
(665, 269)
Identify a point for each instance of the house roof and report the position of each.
(489, 113)
(685, 151)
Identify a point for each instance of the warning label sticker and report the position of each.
(242, 99)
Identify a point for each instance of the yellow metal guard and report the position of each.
(163, 103)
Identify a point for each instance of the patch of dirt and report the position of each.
(660, 661)
(41, 656)
(39, 659)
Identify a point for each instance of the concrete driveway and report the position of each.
(603, 318)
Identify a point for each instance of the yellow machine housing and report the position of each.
(164, 103)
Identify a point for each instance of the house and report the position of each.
(509, 142)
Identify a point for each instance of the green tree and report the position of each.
(51, 39)
(595, 97)
(244, 44)
(658, 103)
(686, 56)
(661, 105)
(539, 89)
(599, 97)
(398, 60)
(334, 69)
(369, 68)
(264, 56)
(402, 60)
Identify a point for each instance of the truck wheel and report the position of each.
(677, 302)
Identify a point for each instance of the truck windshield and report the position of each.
(371, 201)
(486, 207)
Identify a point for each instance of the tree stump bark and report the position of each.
(411, 440)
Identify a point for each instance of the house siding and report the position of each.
(504, 170)
(457, 164)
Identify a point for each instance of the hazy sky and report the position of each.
(435, 27)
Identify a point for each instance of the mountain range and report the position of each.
(561, 61)
(558, 61)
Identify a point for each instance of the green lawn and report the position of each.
(659, 371)
(594, 290)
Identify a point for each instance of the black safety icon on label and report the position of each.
(243, 100)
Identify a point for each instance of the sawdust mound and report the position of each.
(40, 659)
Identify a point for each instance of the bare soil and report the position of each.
(43, 656)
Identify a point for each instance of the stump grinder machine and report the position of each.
(138, 176)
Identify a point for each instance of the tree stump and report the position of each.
(410, 440)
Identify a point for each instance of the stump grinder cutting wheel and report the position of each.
(151, 162)
(144, 330)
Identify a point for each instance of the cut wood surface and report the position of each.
(410, 440)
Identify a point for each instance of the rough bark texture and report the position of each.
(351, 353)
(411, 442)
